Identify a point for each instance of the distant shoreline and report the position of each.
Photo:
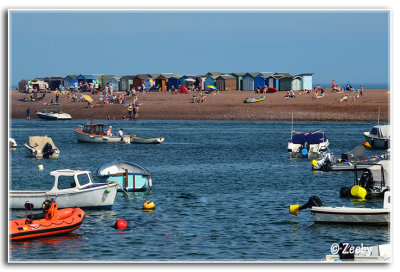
(225, 106)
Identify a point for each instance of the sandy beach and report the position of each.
(227, 105)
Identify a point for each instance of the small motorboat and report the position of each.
(51, 221)
(379, 137)
(12, 144)
(53, 111)
(346, 215)
(95, 133)
(361, 253)
(129, 176)
(72, 188)
(308, 145)
(142, 140)
(347, 161)
(254, 99)
(374, 178)
(41, 147)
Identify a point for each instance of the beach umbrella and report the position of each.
(190, 80)
(212, 87)
(87, 98)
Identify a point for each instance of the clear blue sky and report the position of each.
(345, 45)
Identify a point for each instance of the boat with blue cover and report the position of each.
(131, 177)
(308, 145)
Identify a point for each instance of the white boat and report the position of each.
(72, 188)
(53, 111)
(143, 140)
(379, 137)
(95, 133)
(12, 144)
(346, 215)
(374, 177)
(41, 147)
(362, 254)
(130, 177)
(308, 145)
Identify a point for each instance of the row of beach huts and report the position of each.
(167, 81)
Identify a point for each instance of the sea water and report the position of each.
(222, 192)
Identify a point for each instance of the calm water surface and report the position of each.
(222, 192)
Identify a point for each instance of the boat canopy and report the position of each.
(356, 154)
(381, 131)
(310, 138)
(38, 142)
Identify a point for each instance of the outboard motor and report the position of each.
(47, 150)
(312, 202)
(366, 180)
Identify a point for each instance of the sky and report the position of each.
(345, 45)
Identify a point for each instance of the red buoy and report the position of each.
(120, 224)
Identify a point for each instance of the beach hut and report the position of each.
(54, 82)
(209, 81)
(278, 76)
(259, 81)
(141, 79)
(162, 80)
(115, 83)
(216, 74)
(285, 83)
(21, 85)
(69, 81)
(248, 81)
(306, 81)
(104, 80)
(239, 80)
(174, 81)
(226, 82)
(126, 83)
(296, 83)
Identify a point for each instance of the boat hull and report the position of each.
(375, 142)
(32, 152)
(50, 116)
(89, 138)
(67, 221)
(142, 140)
(95, 196)
(135, 182)
(341, 215)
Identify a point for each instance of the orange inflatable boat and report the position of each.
(52, 221)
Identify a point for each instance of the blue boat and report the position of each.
(130, 176)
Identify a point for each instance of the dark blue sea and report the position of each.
(222, 192)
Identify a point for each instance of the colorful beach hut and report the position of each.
(306, 81)
(54, 82)
(115, 83)
(248, 81)
(69, 81)
(104, 80)
(141, 79)
(239, 80)
(174, 81)
(162, 80)
(285, 83)
(226, 82)
(126, 83)
(209, 81)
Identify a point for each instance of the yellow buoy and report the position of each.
(358, 191)
(149, 205)
(294, 209)
(366, 144)
(314, 163)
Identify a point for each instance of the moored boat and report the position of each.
(53, 111)
(254, 99)
(346, 215)
(379, 137)
(142, 140)
(72, 188)
(12, 144)
(41, 147)
(308, 145)
(129, 176)
(51, 221)
(95, 133)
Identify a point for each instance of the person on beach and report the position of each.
(315, 95)
(130, 109)
(361, 90)
(333, 85)
(28, 113)
(109, 131)
(136, 112)
(57, 98)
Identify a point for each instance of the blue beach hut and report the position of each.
(248, 81)
(174, 81)
(306, 81)
(210, 81)
(69, 81)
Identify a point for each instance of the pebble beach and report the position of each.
(225, 105)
